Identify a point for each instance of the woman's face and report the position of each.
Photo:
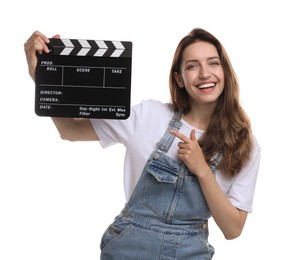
(201, 73)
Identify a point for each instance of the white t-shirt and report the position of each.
(146, 125)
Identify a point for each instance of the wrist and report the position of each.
(204, 172)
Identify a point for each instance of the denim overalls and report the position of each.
(166, 216)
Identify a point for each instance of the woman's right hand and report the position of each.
(37, 43)
(73, 129)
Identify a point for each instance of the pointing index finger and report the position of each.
(180, 136)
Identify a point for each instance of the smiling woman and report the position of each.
(186, 161)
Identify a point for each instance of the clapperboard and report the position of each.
(84, 79)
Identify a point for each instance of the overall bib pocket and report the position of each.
(172, 195)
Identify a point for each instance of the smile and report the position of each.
(206, 85)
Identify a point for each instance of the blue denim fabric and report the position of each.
(166, 216)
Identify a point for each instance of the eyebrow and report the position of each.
(210, 58)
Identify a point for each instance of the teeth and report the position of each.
(208, 85)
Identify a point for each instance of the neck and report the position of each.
(199, 116)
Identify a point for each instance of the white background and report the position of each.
(57, 197)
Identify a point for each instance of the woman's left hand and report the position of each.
(190, 152)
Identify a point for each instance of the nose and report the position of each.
(204, 72)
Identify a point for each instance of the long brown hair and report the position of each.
(229, 130)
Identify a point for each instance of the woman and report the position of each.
(185, 161)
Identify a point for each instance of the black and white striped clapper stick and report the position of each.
(95, 48)
(84, 78)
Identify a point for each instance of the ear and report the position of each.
(179, 80)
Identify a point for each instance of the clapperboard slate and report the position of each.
(84, 79)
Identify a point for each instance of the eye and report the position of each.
(214, 63)
(192, 66)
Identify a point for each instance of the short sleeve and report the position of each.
(240, 189)
(113, 131)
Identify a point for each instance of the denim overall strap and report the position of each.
(214, 161)
(167, 139)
